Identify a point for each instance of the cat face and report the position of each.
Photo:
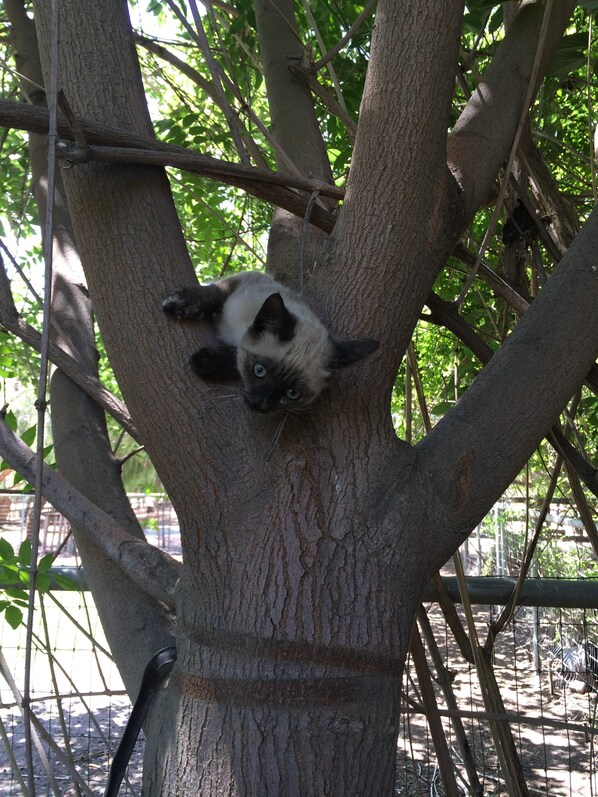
(270, 384)
(285, 360)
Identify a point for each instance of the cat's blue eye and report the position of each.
(259, 370)
(293, 394)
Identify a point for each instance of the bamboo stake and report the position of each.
(445, 680)
(501, 733)
(441, 747)
(41, 403)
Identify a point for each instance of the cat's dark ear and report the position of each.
(347, 352)
(274, 317)
(215, 362)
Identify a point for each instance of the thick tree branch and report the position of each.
(503, 289)
(483, 135)
(296, 130)
(394, 215)
(467, 457)
(446, 314)
(149, 567)
(264, 184)
(294, 122)
(327, 99)
(81, 440)
(269, 186)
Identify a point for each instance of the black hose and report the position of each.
(156, 672)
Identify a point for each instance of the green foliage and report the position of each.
(28, 437)
(15, 579)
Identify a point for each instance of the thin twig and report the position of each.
(205, 85)
(266, 185)
(237, 235)
(13, 323)
(21, 273)
(276, 437)
(61, 716)
(199, 35)
(331, 70)
(18, 697)
(304, 230)
(327, 99)
(509, 609)
(226, 171)
(346, 38)
(14, 765)
(216, 73)
(590, 91)
(151, 569)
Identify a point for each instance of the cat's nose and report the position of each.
(258, 403)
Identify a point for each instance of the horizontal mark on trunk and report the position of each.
(289, 692)
(291, 652)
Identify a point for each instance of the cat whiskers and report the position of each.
(215, 393)
(276, 437)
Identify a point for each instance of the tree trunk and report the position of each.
(302, 572)
(80, 437)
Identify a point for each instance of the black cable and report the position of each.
(156, 672)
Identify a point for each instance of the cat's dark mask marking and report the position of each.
(215, 362)
(280, 388)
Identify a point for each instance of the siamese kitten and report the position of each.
(271, 340)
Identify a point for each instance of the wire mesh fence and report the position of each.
(553, 719)
(78, 701)
(80, 707)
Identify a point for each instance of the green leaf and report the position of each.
(16, 594)
(14, 616)
(442, 407)
(45, 563)
(28, 436)
(64, 581)
(570, 56)
(6, 550)
(25, 554)
(11, 420)
(8, 575)
(43, 582)
(495, 20)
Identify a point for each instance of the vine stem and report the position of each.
(41, 402)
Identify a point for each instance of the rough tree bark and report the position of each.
(302, 574)
(81, 441)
